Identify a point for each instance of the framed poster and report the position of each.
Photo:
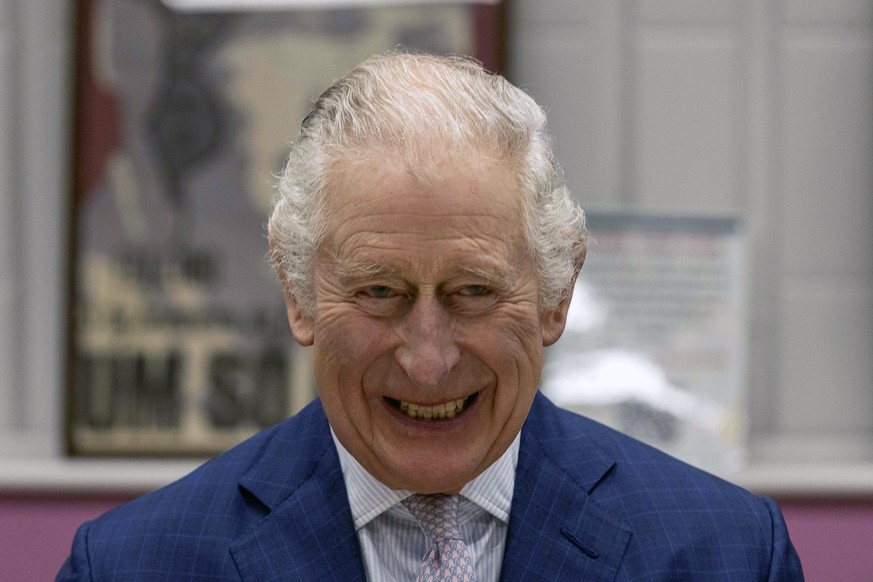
(655, 338)
(179, 344)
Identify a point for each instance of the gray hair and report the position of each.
(406, 103)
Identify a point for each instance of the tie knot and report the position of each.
(436, 514)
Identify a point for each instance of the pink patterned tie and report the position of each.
(448, 560)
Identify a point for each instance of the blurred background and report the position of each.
(755, 116)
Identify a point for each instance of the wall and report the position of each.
(36, 532)
(832, 538)
(756, 108)
(35, 107)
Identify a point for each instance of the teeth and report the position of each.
(446, 410)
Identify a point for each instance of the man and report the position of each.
(427, 249)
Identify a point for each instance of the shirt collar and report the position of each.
(368, 497)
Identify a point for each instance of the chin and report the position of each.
(433, 475)
(438, 484)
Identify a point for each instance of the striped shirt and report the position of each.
(392, 543)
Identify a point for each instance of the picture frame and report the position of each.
(656, 336)
(178, 340)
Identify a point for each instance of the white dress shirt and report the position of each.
(392, 543)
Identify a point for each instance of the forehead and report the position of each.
(469, 202)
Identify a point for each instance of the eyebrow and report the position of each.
(494, 277)
(351, 271)
(355, 270)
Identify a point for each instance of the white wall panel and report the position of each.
(827, 163)
(686, 11)
(561, 13)
(576, 136)
(819, 12)
(7, 218)
(758, 178)
(826, 364)
(573, 72)
(824, 146)
(43, 157)
(685, 106)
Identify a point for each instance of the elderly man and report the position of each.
(427, 248)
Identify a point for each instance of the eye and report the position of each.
(472, 291)
(381, 300)
(471, 299)
(379, 292)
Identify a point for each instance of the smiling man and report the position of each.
(427, 248)
(426, 325)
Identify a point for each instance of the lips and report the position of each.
(444, 410)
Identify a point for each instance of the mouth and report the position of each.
(442, 411)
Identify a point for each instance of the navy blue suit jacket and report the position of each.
(590, 504)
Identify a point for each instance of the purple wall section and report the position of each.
(834, 539)
(36, 532)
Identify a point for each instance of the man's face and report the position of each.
(427, 332)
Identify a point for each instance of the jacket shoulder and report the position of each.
(191, 522)
(684, 521)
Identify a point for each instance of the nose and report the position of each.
(427, 353)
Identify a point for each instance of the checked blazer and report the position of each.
(590, 504)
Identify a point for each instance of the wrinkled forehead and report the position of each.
(439, 179)
(433, 161)
(454, 210)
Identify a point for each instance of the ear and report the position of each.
(553, 321)
(301, 324)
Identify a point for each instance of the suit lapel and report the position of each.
(308, 532)
(556, 530)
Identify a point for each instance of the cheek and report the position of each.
(514, 338)
(514, 351)
(345, 345)
(345, 348)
